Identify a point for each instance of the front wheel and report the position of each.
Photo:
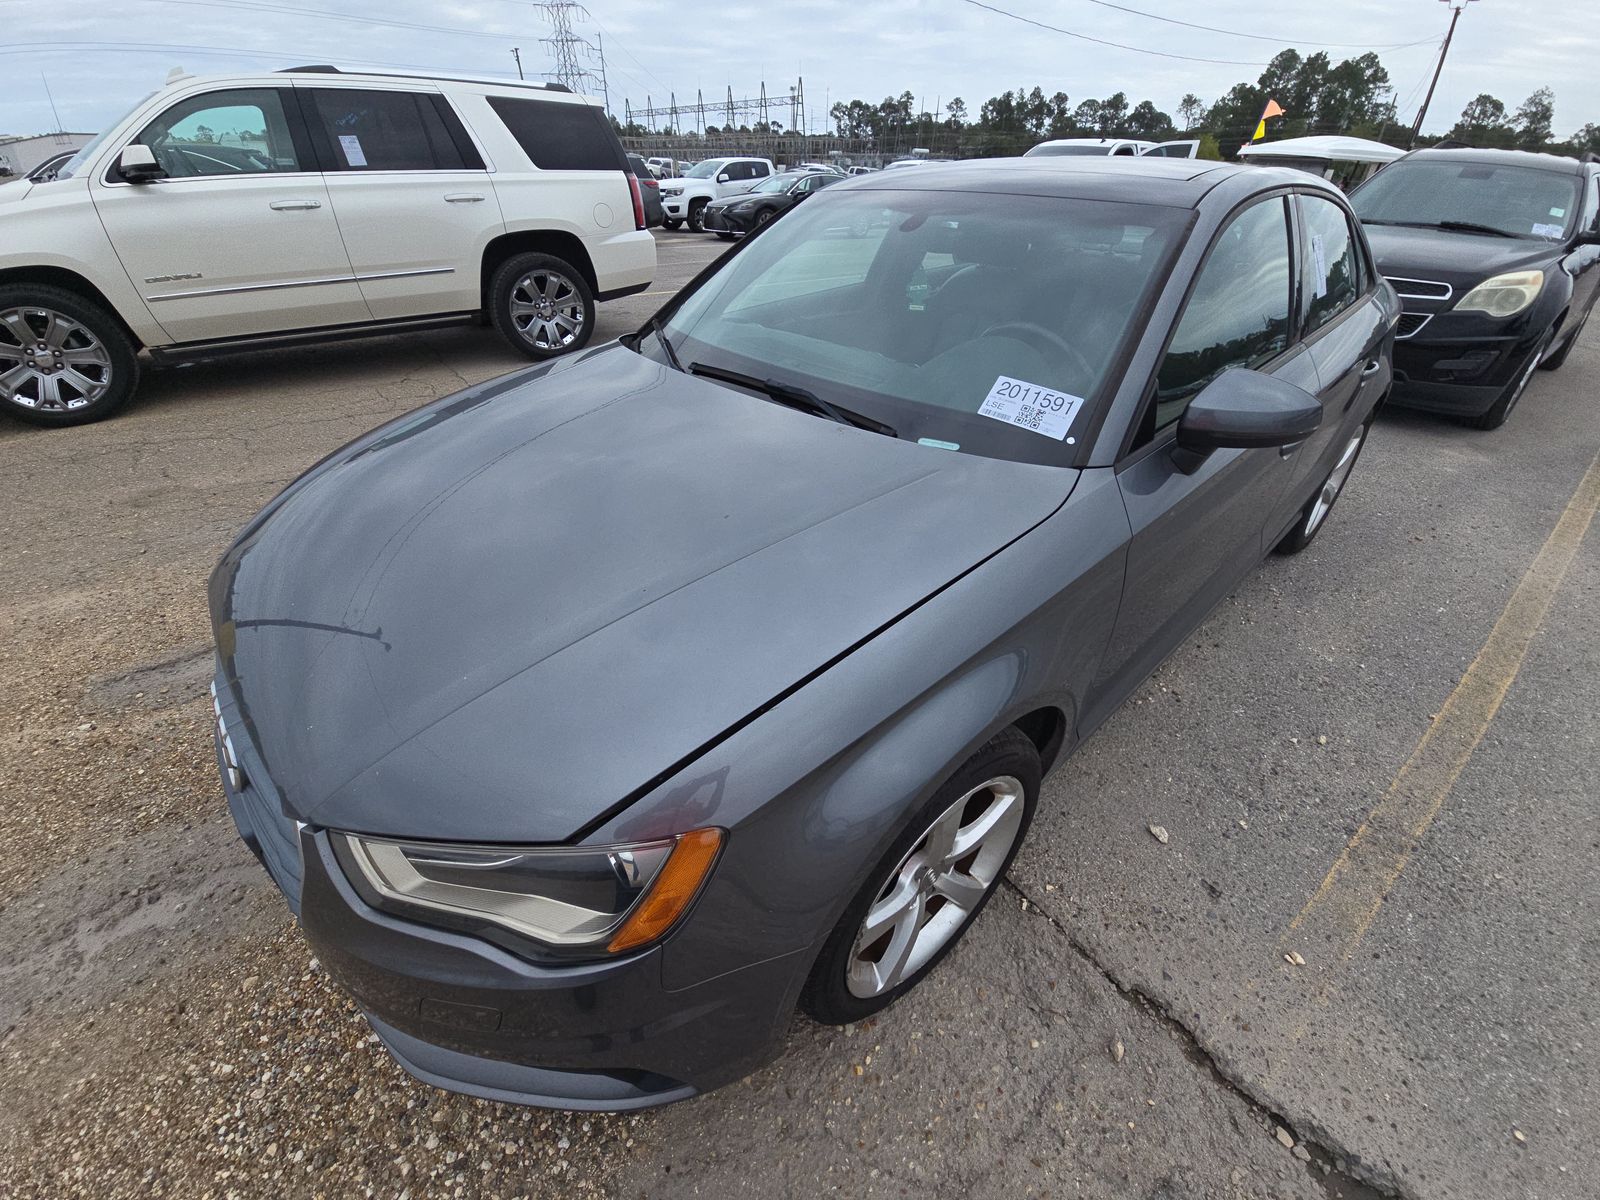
(1315, 514)
(928, 887)
(1501, 408)
(670, 222)
(542, 305)
(64, 360)
(697, 216)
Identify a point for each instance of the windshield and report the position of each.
(1524, 202)
(919, 309)
(1061, 151)
(707, 169)
(775, 183)
(75, 164)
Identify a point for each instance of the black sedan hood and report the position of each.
(1463, 260)
(498, 618)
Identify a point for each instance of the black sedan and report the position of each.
(594, 717)
(1496, 257)
(749, 211)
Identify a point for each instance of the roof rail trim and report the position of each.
(327, 69)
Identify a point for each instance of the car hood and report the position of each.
(499, 618)
(1462, 260)
(14, 189)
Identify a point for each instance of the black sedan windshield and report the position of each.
(1524, 202)
(980, 322)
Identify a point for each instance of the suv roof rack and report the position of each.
(326, 69)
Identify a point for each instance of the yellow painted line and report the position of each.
(1344, 907)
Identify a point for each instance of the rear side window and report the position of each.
(560, 137)
(383, 131)
(1332, 262)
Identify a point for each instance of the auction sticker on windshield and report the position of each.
(1029, 406)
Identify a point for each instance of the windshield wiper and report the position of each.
(1472, 227)
(661, 336)
(794, 396)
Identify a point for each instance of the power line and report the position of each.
(326, 15)
(223, 51)
(1259, 37)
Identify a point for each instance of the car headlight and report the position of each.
(574, 900)
(1504, 295)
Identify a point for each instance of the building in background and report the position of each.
(19, 155)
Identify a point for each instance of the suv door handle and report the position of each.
(463, 197)
(290, 205)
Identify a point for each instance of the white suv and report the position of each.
(685, 198)
(1111, 147)
(243, 212)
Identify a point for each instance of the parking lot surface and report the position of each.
(1363, 956)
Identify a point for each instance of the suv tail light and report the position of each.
(638, 200)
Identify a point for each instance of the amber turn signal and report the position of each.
(677, 884)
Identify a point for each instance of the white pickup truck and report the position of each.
(685, 199)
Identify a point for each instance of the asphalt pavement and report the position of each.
(1363, 958)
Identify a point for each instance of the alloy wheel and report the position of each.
(1335, 482)
(936, 887)
(547, 309)
(50, 362)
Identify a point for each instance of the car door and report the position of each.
(1196, 532)
(240, 237)
(1343, 326)
(1584, 260)
(409, 188)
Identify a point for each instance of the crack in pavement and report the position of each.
(1360, 1183)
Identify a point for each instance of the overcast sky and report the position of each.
(102, 55)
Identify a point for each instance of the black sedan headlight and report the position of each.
(567, 900)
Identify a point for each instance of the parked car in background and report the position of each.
(1496, 257)
(1113, 147)
(654, 214)
(740, 664)
(249, 211)
(660, 167)
(861, 170)
(685, 198)
(770, 198)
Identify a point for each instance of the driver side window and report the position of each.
(1238, 311)
(237, 132)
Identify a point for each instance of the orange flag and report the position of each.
(1273, 109)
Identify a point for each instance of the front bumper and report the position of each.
(1461, 376)
(724, 220)
(676, 207)
(459, 1013)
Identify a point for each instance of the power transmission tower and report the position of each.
(566, 46)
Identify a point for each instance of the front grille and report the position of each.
(1411, 322)
(1421, 289)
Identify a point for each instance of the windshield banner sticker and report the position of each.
(1029, 406)
(1547, 231)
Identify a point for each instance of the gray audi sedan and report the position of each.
(594, 718)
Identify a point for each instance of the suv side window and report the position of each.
(382, 131)
(1332, 273)
(242, 131)
(1238, 312)
(560, 136)
(758, 170)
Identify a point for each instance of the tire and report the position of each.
(1501, 408)
(670, 223)
(697, 216)
(78, 366)
(542, 305)
(1315, 513)
(846, 982)
(764, 218)
(1553, 363)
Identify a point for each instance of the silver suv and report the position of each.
(251, 211)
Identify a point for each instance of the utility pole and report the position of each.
(1456, 7)
(516, 53)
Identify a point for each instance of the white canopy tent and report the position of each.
(1329, 148)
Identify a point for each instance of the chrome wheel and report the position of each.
(1335, 482)
(547, 309)
(936, 887)
(50, 362)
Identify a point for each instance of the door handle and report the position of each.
(292, 205)
(463, 198)
(1372, 368)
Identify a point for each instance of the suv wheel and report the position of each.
(697, 216)
(541, 305)
(670, 223)
(64, 360)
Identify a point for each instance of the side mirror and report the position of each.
(723, 178)
(137, 164)
(1244, 409)
(1587, 237)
